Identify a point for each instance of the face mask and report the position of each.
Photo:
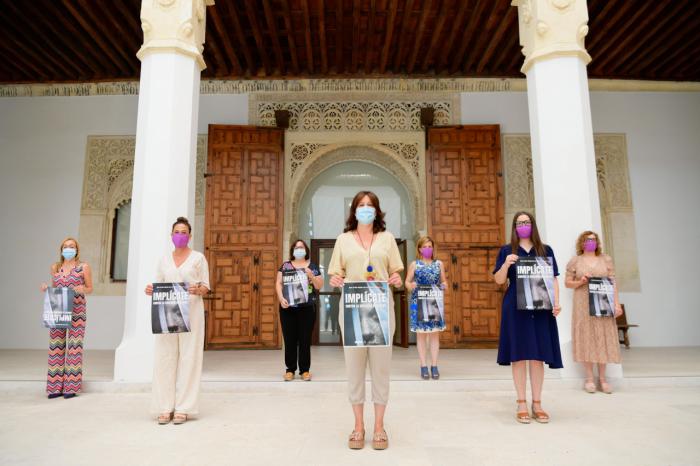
(427, 253)
(524, 231)
(299, 253)
(590, 245)
(69, 253)
(365, 215)
(180, 240)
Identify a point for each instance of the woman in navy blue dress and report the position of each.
(527, 338)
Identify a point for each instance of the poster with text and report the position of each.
(170, 308)
(58, 307)
(295, 287)
(366, 314)
(535, 283)
(430, 300)
(601, 297)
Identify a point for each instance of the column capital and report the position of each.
(552, 28)
(175, 26)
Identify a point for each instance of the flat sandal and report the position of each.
(522, 417)
(356, 440)
(380, 441)
(539, 415)
(164, 418)
(179, 418)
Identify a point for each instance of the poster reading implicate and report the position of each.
(431, 304)
(601, 297)
(535, 283)
(170, 310)
(295, 287)
(58, 307)
(366, 314)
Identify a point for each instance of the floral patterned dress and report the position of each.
(425, 274)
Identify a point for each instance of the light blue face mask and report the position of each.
(69, 253)
(299, 253)
(365, 214)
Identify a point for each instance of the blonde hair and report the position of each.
(421, 242)
(60, 252)
(582, 238)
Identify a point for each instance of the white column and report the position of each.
(164, 163)
(563, 156)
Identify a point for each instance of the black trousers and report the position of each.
(297, 327)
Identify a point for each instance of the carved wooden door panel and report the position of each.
(243, 235)
(465, 205)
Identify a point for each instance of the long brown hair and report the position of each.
(60, 252)
(379, 223)
(582, 238)
(535, 237)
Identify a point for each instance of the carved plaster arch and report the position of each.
(332, 154)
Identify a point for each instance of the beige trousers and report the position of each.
(177, 361)
(379, 359)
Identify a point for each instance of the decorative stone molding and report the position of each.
(551, 28)
(174, 25)
(617, 212)
(213, 87)
(335, 112)
(108, 178)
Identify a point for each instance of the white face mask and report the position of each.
(299, 253)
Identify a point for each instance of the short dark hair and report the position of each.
(293, 246)
(182, 221)
(379, 223)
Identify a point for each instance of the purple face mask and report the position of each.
(427, 253)
(180, 240)
(590, 245)
(524, 231)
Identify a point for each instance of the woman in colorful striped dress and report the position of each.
(65, 374)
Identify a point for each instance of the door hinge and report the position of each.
(454, 258)
(256, 260)
(255, 330)
(455, 329)
(255, 287)
(455, 286)
(207, 175)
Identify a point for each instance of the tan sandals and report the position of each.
(179, 418)
(589, 386)
(522, 417)
(539, 415)
(306, 376)
(164, 418)
(288, 376)
(380, 441)
(605, 387)
(356, 440)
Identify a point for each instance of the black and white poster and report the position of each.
(295, 287)
(535, 283)
(601, 297)
(170, 308)
(366, 314)
(431, 304)
(58, 307)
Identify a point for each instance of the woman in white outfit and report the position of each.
(179, 355)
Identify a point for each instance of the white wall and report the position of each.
(42, 155)
(42, 152)
(663, 148)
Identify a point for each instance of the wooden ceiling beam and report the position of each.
(370, 37)
(16, 71)
(618, 11)
(686, 42)
(289, 29)
(95, 36)
(307, 37)
(393, 7)
(240, 35)
(427, 7)
(257, 35)
(456, 27)
(511, 47)
(21, 57)
(436, 33)
(216, 67)
(481, 40)
(404, 34)
(46, 42)
(132, 18)
(496, 40)
(213, 14)
(683, 72)
(322, 39)
(355, 35)
(272, 28)
(468, 33)
(339, 66)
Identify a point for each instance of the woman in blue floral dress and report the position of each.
(426, 270)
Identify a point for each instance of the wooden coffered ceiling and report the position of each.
(94, 40)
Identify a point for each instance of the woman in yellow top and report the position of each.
(366, 251)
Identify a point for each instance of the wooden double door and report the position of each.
(243, 233)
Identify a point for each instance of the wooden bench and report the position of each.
(623, 327)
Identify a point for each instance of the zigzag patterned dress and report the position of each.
(65, 373)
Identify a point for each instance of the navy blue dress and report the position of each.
(526, 335)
